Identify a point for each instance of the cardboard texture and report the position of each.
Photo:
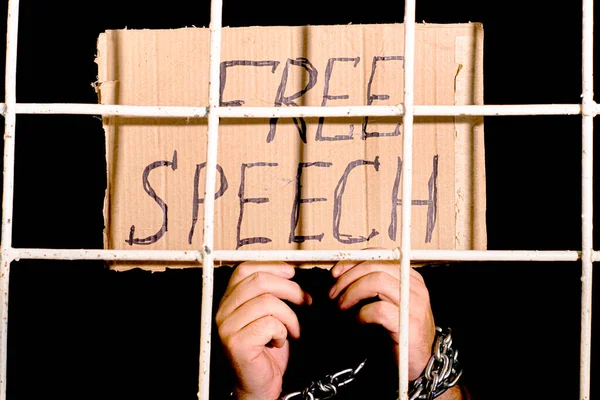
(305, 183)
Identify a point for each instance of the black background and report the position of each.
(78, 330)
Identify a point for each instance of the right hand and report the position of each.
(254, 323)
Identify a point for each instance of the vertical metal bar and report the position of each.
(407, 122)
(209, 200)
(8, 184)
(588, 110)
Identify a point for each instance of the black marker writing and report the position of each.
(146, 184)
(257, 200)
(431, 203)
(197, 201)
(282, 99)
(371, 97)
(235, 63)
(337, 205)
(299, 200)
(326, 96)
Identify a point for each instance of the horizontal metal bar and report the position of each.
(494, 255)
(201, 112)
(117, 255)
(306, 111)
(291, 112)
(305, 255)
(112, 110)
(498, 110)
(419, 110)
(296, 255)
(416, 255)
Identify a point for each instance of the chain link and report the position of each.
(441, 373)
(327, 387)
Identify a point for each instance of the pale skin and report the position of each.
(255, 325)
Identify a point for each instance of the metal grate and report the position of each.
(408, 110)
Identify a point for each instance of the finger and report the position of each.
(341, 267)
(246, 269)
(258, 284)
(416, 275)
(249, 342)
(371, 285)
(387, 315)
(382, 313)
(356, 272)
(382, 285)
(352, 274)
(418, 289)
(258, 308)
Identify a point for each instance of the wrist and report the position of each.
(418, 364)
(454, 393)
(240, 394)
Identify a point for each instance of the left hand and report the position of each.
(381, 279)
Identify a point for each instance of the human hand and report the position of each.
(253, 324)
(381, 280)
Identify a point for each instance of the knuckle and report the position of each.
(219, 317)
(418, 275)
(370, 267)
(375, 266)
(381, 313)
(423, 294)
(244, 269)
(268, 301)
(271, 323)
(282, 330)
(277, 327)
(231, 342)
(381, 278)
(223, 333)
(258, 279)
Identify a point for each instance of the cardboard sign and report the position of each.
(293, 183)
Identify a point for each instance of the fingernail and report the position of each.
(288, 269)
(309, 299)
(332, 292)
(341, 302)
(334, 271)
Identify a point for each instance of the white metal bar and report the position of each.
(9, 123)
(108, 255)
(588, 109)
(10, 95)
(310, 111)
(498, 110)
(295, 255)
(407, 143)
(493, 255)
(216, 14)
(388, 255)
(398, 110)
(294, 112)
(111, 110)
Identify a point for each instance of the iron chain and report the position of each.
(441, 373)
(327, 387)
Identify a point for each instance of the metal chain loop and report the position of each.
(441, 373)
(327, 387)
